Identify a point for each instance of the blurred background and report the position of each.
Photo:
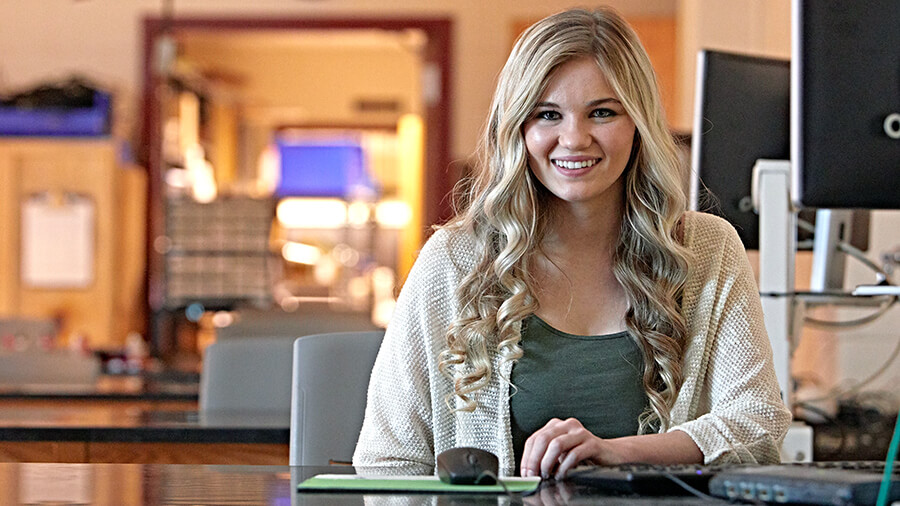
(194, 170)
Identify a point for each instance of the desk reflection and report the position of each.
(188, 484)
(144, 484)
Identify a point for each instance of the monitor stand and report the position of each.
(833, 227)
(783, 306)
(777, 251)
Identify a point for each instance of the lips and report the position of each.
(575, 164)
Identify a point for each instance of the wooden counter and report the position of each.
(147, 391)
(133, 419)
(118, 434)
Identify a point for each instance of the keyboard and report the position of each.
(646, 479)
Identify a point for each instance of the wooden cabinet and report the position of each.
(137, 432)
(109, 305)
(130, 452)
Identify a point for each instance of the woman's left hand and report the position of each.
(559, 446)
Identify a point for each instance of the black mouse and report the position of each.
(467, 466)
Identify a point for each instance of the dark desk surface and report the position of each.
(178, 388)
(112, 423)
(134, 419)
(155, 484)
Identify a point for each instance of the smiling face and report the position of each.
(579, 137)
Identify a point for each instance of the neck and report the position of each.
(575, 226)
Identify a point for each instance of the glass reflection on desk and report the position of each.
(195, 485)
(139, 484)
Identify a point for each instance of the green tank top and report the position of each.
(595, 379)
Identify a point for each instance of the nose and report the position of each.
(574, 135)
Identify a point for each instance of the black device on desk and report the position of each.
(816, 483)
(825, 483)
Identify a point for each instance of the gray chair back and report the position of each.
(309, 319)
(58, 368)
(247, 375)
(328, 400)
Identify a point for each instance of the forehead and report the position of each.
(578, 78)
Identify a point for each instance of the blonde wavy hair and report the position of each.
(503, 207)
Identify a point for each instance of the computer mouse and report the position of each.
(467, 466)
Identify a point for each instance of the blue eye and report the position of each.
(548, 115)
(603, 113)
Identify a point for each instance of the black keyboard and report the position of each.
(649, 479)
(646, 479)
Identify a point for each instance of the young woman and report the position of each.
(573, 312)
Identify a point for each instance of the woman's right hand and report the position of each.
(561, 445)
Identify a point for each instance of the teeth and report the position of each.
(575, 165)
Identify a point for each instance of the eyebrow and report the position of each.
(592, 103)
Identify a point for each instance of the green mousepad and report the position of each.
(422, 484)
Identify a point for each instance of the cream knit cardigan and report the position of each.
(729, 403)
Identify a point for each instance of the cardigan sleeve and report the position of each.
(397, 435)
(740, 416)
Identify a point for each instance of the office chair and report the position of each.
(328, 400)
(57, 368)
(308, 319)
(247, 375)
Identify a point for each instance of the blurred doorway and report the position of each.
(242, 89)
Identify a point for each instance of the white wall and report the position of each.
(761, 27)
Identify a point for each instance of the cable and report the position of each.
(884, 491)
(861, 257)
(681, 483)
(805, 225)
(846, 248)
(883, 278)
(835, 392)
(497, 481)
(814, 322)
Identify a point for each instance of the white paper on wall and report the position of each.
(57, 242)
(55, 484)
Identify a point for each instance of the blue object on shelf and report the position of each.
(328, 169)
(58, 122)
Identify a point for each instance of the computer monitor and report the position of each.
(742, 114)
(845, 119)
(845, 146)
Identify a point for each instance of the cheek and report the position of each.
(622, 139)
(536, 142)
